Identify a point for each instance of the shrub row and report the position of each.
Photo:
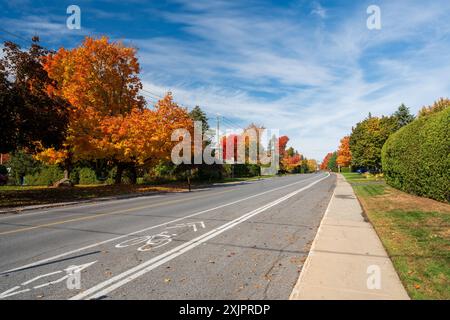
(416, 159)
(49, 174)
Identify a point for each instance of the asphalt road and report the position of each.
(232, 241)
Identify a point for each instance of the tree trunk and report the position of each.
(133, 174)
(118, 177)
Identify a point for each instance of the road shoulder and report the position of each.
(347, 259)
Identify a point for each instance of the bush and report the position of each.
(213, 172)
(416, 158)
(47, 175)
(3, 170)
(345, 170)
(87, 176)
(22, 164)
(246, 170)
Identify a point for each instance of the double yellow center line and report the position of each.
(93, 216)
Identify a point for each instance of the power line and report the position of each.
(230, 125)
(153, 94)
(14, 35)
(234, 124)
(27, 41)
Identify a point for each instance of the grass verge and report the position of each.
(415, 232)
(16, 196)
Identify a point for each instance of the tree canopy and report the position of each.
(30, 117)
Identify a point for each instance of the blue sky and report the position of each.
(309, 68)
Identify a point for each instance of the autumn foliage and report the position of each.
(344, 157)
(229, 146)
(109, 119)
(325, 161)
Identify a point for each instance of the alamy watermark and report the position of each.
(74, 20)
(374, 279)
(374, 19)
(252, 145)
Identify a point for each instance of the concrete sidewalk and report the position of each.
(347, 260)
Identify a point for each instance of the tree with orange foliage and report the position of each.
(312, 165)
(289, 163)
(282, 142)
(142, 137)
(324, 164)
(344, 157)
(100, 81)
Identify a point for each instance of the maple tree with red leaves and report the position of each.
(344, 157)
(324, 164)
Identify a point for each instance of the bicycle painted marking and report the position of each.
(69, 270)
(189, 224)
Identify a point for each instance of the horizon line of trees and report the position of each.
(362, 148)
(78, 108)
(411, 151)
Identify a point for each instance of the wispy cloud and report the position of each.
(319, 10)
(320, 81)
(51, 28)
(311, 69)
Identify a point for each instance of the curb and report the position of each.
(310, 253)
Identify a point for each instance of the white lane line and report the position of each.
(149, 228)
(103, 288)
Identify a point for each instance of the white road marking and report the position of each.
(189, 224)
(13, 292)
(103, 288)
(152, 227)
(73, 206)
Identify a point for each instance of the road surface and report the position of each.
(230, 241)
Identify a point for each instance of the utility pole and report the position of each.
(218, 138)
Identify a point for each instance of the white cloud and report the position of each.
(319, 80)
(49, 28)
(319, 10)
(311, 78)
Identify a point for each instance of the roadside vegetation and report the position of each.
(416, 159)
(400, 167)
(415, 232)
(81, 117)
(17, 196)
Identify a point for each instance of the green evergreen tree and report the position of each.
(197, 114)
(403, 116)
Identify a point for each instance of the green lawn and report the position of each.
(415, 232)
(16, 196)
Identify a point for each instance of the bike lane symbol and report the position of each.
(72, 277)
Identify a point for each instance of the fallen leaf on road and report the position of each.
(167, 280)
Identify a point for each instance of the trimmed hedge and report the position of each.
(416, 159)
